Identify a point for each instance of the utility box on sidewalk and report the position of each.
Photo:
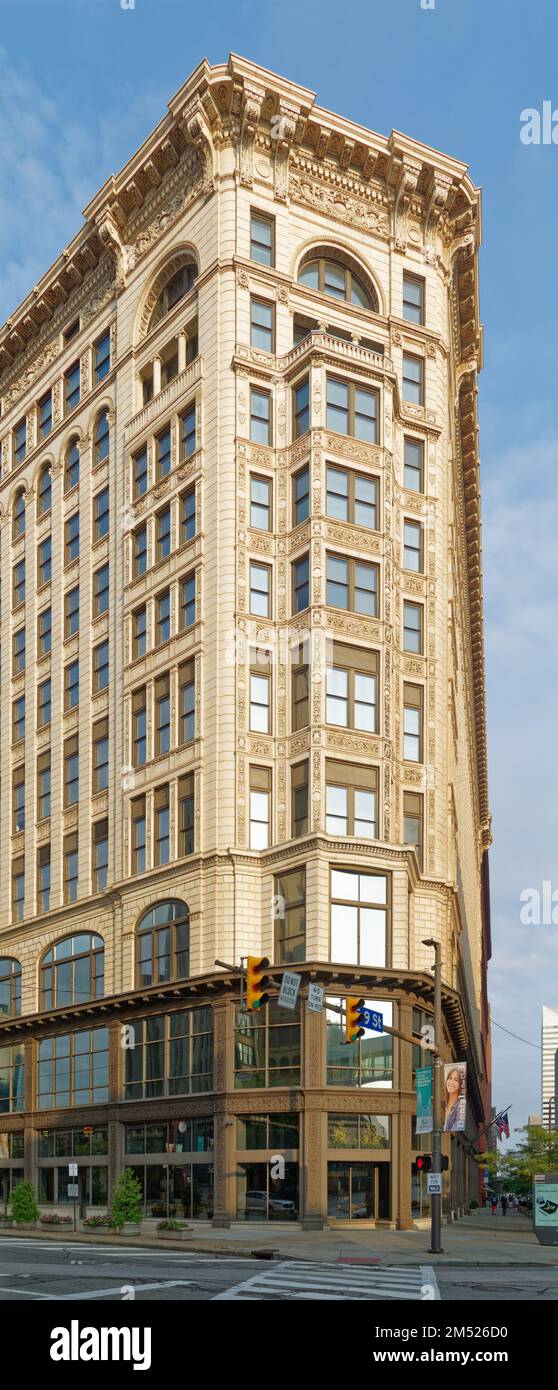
(545, 1208)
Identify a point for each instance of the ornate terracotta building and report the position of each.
(242, 690)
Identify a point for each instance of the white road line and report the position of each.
(292, 1279)
(25, 1293)
(113, 1292)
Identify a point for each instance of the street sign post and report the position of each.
(288, 993)
(315, 1001)
(72, 1170)
(73, 1188)
(434, 1184)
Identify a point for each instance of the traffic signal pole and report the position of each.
(436, 1247)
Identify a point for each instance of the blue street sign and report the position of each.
(368, 1018)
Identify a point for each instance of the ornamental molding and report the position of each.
(96, 290)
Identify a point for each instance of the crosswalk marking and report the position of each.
(301, 1279)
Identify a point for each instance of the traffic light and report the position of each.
(256, 981)
(353, 1029)
(424, 1163)
(444, 1163)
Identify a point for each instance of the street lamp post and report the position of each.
(436, 1247)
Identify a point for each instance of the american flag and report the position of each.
(503, 1126)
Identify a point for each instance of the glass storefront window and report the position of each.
(12, 1079)
(170, 1136)
(263, 1198)
(181, 1190)
(73, 1069)
(172, 1055)
(267, 1048)
(77, 1143)
(358, 1191)
(358, 1132)
(367, 1063)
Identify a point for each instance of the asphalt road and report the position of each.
(34, 1271)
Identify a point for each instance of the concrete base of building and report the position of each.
(315, 1222)
(221, 1223)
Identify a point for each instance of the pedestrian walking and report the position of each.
(504, 1204)
(494, 1204)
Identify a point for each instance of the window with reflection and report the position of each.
(71, 471)
(177, 286)
(366, 1063)
(333, 276)
(72, 971)
(10, 987)
(44, 497)
(172, 1055)
(73, 1069)
(267, 1047)
(12, 1079)
(358, 1131)
(359, 917)
(18, 516)
(101, 438)
(163, 949)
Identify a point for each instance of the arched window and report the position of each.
(101, 438)
(176, 287)
(71, 470)
(44, 498)
(10, 987)
(332, 273)
(18, 518)
(164, 944)
(73, 971)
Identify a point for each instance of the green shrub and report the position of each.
(173, 1226)
(473, 1205)
(23, 1206)
(126, 1201)
(98, 1220)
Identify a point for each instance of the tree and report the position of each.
(514, 1170)
(126, 1201)
(23, 1206)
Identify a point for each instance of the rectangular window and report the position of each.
(301, 408)
(18, 584)
(100, 667)
(260, 807)
(301, 583)
(139, 552)
(72, 387)
(187, 702)
(262, 328)
(260, 503)
(173, 1055)
(70, 868)
(299, 799)
(267, 1050)
(71, 771)
(359, 908)
(290, 892)
(161, 806)
(18, 651)
(368, 1063)
(413, 546)
(186, 815)
(18, 719)
(413, 627)
(188, 601)
(44, 561)
(163, 453)
(18, 799)
(162, 617)
(43, 878)
(71, 538)
(301, 496)
(71, 612)
(101, 514)
(71, 685)
(43, 785)
(413, 822)
(188, 443)
(260, 416)
(414, 464)
(43, 703)
(352, 409)
(100, 855)
(353, 585)
(139, 633)
(260, 590)
(73, 1069)
(101, 355)
(352, 497)
(162, 715)
(139, 727)
(20, 442)
(413, 298)
(45, 415)
(262, 238)
(412, 722)
(352, 688)
(139, 828)
(71, 331)
(300, 688)
(18, 889)
(163, 534)
(413, 379)
(188, 516)
(260, 692)
(139, 472)
(351, 800)
(100, 591)
(100, 756)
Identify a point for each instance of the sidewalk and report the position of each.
(478, 1240)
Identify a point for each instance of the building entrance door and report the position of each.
(358, 1191)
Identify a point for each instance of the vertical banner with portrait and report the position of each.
(455, 1096)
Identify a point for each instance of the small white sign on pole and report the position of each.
(288, 994)
(315, 998)
(72, 1170)
(73, 1189)
(434, 1184)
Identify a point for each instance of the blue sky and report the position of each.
(82, 82)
